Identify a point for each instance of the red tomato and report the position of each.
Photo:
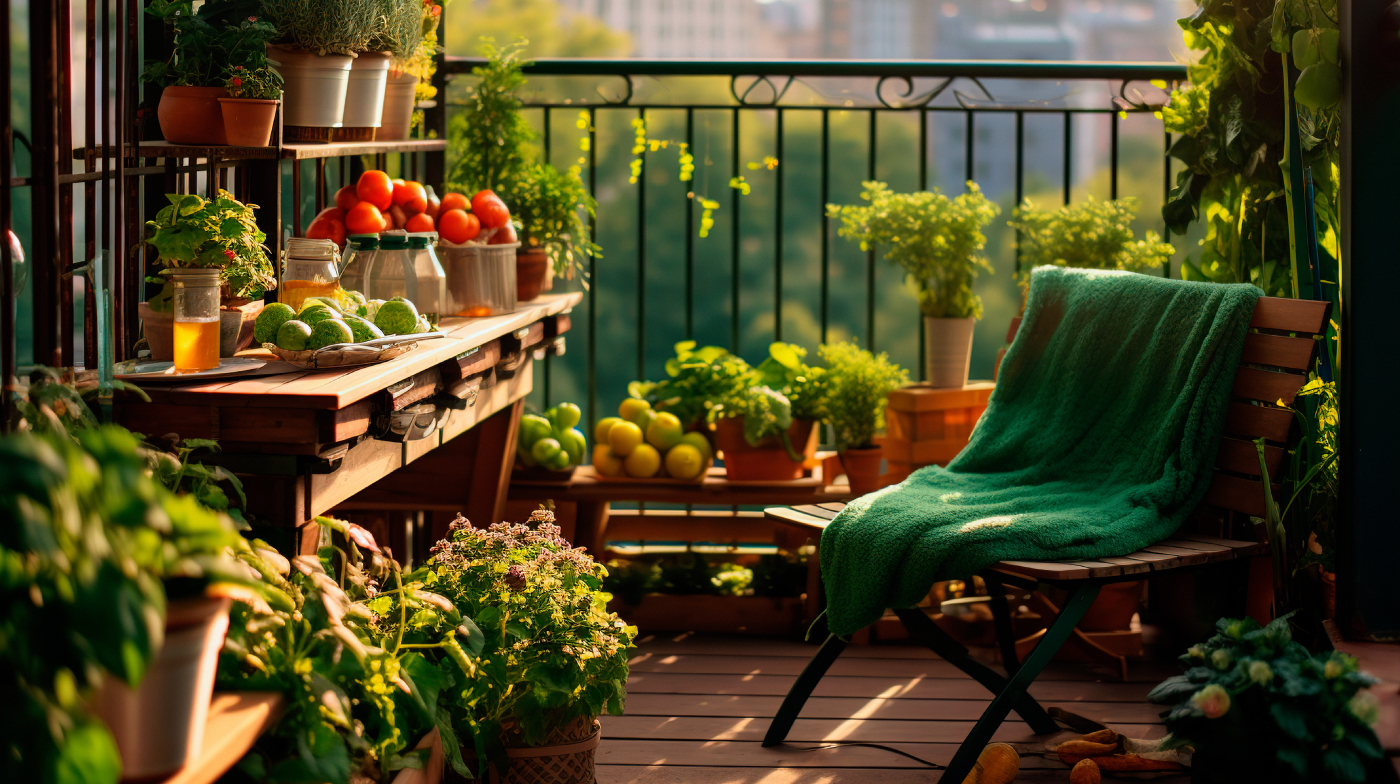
(411, 196)
(505, 235)
(365, 218)
(455, 201)
(375, 188)
(327, 227)
(396, 216)
(490, 210)
(458, 226)
(345, 198)
(420, 222)
(330, 212)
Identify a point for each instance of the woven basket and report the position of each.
(567, 757)
(341, 355)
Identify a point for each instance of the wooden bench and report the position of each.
(1277, 354)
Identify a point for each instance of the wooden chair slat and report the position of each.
(1269, 386)
(1214, 554)
(816, 511)
(1238, 494)
(1128, 565)
(1050, 570)
(1250, 422)
(1099, 568)
(1242, 458)
(833, 506)
(1290, 315)
(1187, 557)
(788, 515)
(1234, 544)
(1157, 561)
(1278, 351)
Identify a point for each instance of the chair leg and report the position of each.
(802, 689)
(1015, 691)
(927, 632)
(1001, 615)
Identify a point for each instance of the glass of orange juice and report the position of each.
(196, 319)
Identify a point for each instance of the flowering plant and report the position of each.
(262, 83)
(1254, 705)
(551, 653)
(221, 232)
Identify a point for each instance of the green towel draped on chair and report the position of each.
(1098, 440)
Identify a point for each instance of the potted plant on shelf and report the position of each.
(858, 384)
(397, 34)
(194, 232)
(553, 208)
(206, 44)
(1256, 706)
(550, 659)
(410, 79)
(938, 241)
(315, 47)
(251, 106)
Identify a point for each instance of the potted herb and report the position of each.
(315, 47)
(858, 384)
(397, 34)
(194, 232)
(938, 241)
(1089, 235)
(251, 106)
(206, 46)
(410, 79)
(1256, 706)
(552, 658)
(552, 208)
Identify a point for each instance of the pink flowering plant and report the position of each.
(551, 653)
(263, 83)
(1257, 706)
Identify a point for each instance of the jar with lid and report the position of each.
(387, 272)
(359, 252)
(427, 288)
(196, 327)
(312, 269)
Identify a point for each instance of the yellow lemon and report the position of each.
(684, 462)
(632, 408)
(700, 442)
(623, 437)
(600, 430)
(665, 431)
(643, 462)
(605, 462)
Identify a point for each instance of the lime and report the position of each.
(396, 317)
(645, 419)
(315, 314)
(701, 443)
(560, 462)
(361, 329)
(293, 335)
(605, 462)
(632, 408)
(564, 415)
(684, 462)
(643, 463)
(600, 431)
(546, 451)
(329, 332)
(624, 437)
(270, 320)
(665, 431)
(573, 443)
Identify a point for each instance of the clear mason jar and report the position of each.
(196, 319)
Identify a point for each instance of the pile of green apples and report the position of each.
(642, 443)
(551, 441)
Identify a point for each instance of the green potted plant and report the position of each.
(858, 384)
(551, 658)
(552, 208)
(410, 79)
(938, 241)
(1255, 706)
(206, 45)
(251, 106)
(222, 233)
(315, 48)
(1088, 235)
(397, 34)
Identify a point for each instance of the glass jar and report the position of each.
(427, 288)
(385, 277)
(312, 270)
(357, 259)
(196, 319)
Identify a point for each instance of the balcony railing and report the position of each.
(803, 134)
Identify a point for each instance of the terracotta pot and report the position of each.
(862, 469)
(159, 726)
(768, 461)
(236, 327)
(160, 332)
(1113, 608)
(248, 121)
(396, 119)
(948, 350)
(191, 115)
(530, 268)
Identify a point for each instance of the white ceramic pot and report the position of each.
(397, 116)
(948, 350)
(364, 96)
(313, 93)
(159, 727)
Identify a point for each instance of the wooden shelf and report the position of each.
(299, 151)
(236, 721)
(303, 150)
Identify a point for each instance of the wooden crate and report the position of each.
(929, 426)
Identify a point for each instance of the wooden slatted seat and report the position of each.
(1278, 352)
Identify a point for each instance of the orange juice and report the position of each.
(295, 292)
(196, 345)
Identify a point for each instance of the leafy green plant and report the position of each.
(400, 28)
(552, 208)
(698, 384)
(803, 385)
(262, 83)
(207, 43)
(1257, 706)
(766, 413)
(858, 383)
(343, 636)
(551, 654)
(490, 140)
(326, 26)
(1088, 235)
(178, 472)
(222, 233)
(937, 240)
(421, 62)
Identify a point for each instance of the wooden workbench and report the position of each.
(305, 441)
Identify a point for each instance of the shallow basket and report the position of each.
(567, 759)
(348, 354)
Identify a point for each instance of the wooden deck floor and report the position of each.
(698, 706)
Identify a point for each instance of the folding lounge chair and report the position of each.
(1272, 368)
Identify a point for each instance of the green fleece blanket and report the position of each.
(1098, 441)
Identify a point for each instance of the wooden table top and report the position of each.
(336, 389)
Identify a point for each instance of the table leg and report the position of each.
(591, 526)
(495, 456)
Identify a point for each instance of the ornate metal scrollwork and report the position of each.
(743, 98)
(1128, 104)
(625, 99)
(904, 101)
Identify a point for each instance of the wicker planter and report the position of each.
(566, 757)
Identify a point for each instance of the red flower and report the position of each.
(252, 19)
(437, 10)
(238, 68)
(237, 82)
(230, 254)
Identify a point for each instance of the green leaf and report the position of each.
(476, 641)
(1292, 719)
(786, 354)
(88, 756)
